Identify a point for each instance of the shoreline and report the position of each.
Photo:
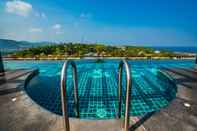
(94, 58)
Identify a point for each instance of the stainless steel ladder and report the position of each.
(125, 64)
(122, 64)
(63, 92)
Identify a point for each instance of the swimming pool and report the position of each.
(97, 84)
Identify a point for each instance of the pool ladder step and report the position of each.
(123, 63)
(95, 125)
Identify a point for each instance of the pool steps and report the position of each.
(122, 64)
(63, 92)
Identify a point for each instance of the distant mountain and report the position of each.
(9, 44)
(6, 44)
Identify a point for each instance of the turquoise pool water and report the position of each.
(151, 89)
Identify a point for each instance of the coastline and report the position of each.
(129, 58)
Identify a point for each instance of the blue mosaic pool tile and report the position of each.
(97, 84)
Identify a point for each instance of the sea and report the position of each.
(181, 49)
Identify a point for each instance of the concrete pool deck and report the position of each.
(181, 114)
(20, 113)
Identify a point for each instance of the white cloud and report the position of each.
(43, 15)
(57, 26)
(18, 7)
(35, 30)
(40, 14)
(85, 15)
(57, 29)
(59, 32)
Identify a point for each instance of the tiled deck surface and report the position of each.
(19, 113)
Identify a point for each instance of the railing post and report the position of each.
(1, 65)
(63, 98)
(63, 93)
(195, 62)
(76, 97)
(119, 89)
(128, 94)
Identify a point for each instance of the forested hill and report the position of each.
(8, 45)
(78, 50)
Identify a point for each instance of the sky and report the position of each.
(124, 22)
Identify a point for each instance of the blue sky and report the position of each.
(130, 22)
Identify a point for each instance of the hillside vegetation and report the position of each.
(81, 50)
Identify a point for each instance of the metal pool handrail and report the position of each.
(128, 90)
(63, 92)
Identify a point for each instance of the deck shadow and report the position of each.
(190, 76)
(187, 77)
(141, 121)
(8, 91)
(2, 80)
